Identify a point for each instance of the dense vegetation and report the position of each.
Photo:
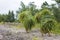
(7, 17)
(46, 17)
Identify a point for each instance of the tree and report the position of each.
(57, 16)
(46, 20)
(10, 17)
(32, 8)
(58, 1)
(45, 5)
(3, 17)
(25, 15)
(27, 20)
(0, 18)
(56, 11)
(22, 8)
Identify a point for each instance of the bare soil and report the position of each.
(9, 33)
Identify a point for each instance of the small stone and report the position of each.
(1, 36)
(45, 39)
(55, 39)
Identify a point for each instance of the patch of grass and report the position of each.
(1, 22)
(57, 29)
(18, 26)
(36, 38)
(37, 26)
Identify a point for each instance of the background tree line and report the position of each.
(7, 17)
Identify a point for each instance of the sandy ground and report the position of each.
(8, 33)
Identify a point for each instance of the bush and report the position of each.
(27, 19)
(47, 27)
(28, 24)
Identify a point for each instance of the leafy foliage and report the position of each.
(27, 19)
(7, 17)
(45, 17)
(38, 18)
(45, 5)
(10, 17)
(28, 24)
(58, 1)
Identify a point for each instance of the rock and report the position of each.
(55, 39)
(1, 36)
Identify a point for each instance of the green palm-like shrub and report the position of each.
(28, 24)
(22, 16)
(47, 27)
(46, 21)
(27, 20)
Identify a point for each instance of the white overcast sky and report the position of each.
(6, 5)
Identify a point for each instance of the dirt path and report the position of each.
(8, 33)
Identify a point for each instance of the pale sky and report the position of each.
(6, 5)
